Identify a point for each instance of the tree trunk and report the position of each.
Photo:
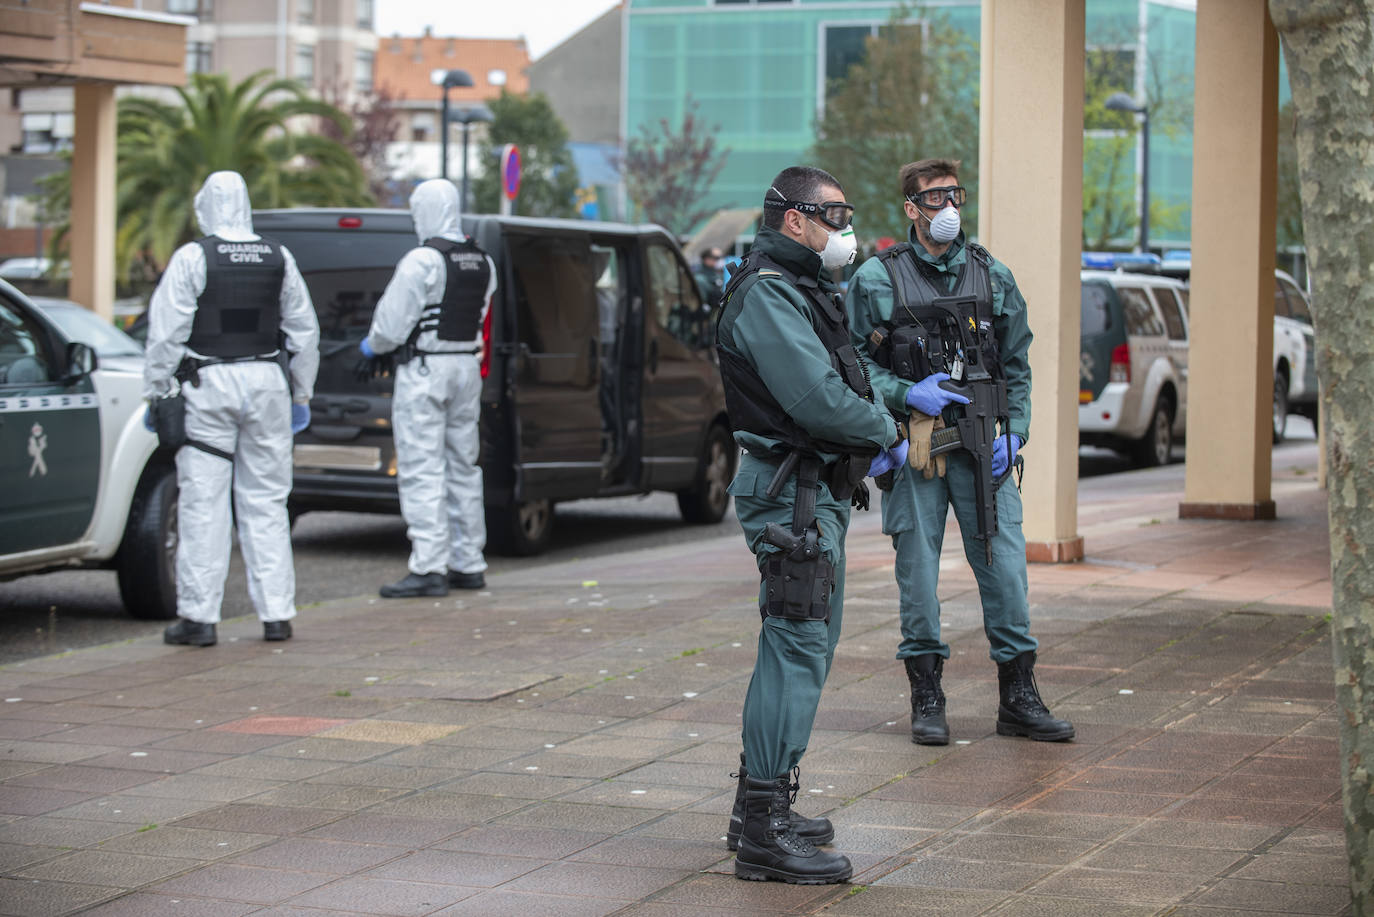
(1329, 47)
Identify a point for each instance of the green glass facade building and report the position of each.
(759, 69)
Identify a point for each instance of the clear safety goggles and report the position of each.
(935, 198)
(835, 214)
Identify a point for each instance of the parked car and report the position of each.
(1133, 364)
(1295, 355)
(565, 415)
(1295, 352)
(84, 483)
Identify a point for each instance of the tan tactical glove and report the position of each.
(919, 429)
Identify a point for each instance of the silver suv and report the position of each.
(1133, 364)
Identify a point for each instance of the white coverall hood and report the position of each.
(223, 209)
(436, 210)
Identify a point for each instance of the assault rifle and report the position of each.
(953, 346)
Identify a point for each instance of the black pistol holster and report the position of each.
(798, 581)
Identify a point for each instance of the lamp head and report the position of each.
(1120, 101)
(450, 78)
(470, 114)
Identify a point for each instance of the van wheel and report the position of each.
(520, 529)
(1156, 447)
(146, 564)
(1280, 407)
(706, 500)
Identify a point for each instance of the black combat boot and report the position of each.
(416, 584)
(770, 849)
(815, 830)
(928, 726)
(1021, 712)
(190, 633)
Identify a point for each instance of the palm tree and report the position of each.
(165, 151)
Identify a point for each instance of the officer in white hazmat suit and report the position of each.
(218, 319)
(431, 315)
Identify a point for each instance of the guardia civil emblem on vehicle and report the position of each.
(38, 444)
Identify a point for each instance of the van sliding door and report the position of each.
(556, 393)
(678, 371)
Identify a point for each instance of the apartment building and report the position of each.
(406, 69)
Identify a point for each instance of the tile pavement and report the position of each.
(562, 746)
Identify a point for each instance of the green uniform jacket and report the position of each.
(870, 302)
(770, 327)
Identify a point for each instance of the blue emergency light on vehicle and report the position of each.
(1110, 261)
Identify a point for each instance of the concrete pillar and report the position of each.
(1230, 362)
(1030, 216)
(92, 234)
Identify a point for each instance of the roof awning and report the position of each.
(67, 41)
(721, 231)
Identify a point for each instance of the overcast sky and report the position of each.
(543, 23)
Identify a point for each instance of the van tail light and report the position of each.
(350, 222)
(486, 344)
(1121, 364)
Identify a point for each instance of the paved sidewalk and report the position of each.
(560, 744)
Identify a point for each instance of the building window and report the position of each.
(843, 46)
(422, 127)
(305, 11)
(305, 63)
(362, 71)
(46, 132)
(198, 56)
(1107, 70)
(201, 9)
(365, 15)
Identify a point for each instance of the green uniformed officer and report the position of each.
(803, 413)
(938, 260)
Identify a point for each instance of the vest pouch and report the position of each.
(798, 589)
(169, 420)
(851, 370)
(909, 354)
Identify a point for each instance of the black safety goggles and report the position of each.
(935, 198)
(835, 214)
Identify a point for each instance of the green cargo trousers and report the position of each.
(914, 514)
(794, 657)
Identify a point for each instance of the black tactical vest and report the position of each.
(915, 285)
(458, 316)
(239, 313)
(748, 402)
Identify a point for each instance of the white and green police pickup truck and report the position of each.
(82, 483)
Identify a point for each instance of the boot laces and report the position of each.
(1027, 692)
(795, 785)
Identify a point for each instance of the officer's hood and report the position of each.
(223, 209)
(435, 208)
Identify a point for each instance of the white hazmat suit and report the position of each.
(243, 408)
(436, 403)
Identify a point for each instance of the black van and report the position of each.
(599, 376)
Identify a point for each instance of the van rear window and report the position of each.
(346, 272)
(1097, 308)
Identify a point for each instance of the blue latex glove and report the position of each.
(888, 459)
(927, 397)
(300, 417)
(1002, 455)
(366, 347)
(148, 420)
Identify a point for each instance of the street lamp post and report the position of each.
(1120, 101)
(466, 116)
(446, 79)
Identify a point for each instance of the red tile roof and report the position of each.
(403, 65)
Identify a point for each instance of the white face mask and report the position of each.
(840, 246)
(945, 226)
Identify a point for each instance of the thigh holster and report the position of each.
(798, 587)
(798, 581)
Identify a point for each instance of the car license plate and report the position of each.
(352, 458)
